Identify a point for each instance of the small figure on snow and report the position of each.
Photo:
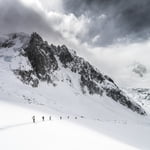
(50, 118)
(68, 117)
(33, 118)
(42, 118)
(60, 117)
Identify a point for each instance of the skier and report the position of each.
(42, 118)
(60, 117)
(68, 117)
(50, 118)
(33, 118)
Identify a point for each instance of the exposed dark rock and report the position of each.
(27, 77)
(64, 55)
(41, 57)
(109, 79)
(7, 44)
(92, 87)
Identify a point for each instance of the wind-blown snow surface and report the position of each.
(18, 132)
(19, 102)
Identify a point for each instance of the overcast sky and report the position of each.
(112, 34)
(113, 19)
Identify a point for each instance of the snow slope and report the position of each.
(34, 61)
(18, 132)
(101, 122)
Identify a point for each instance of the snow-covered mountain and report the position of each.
(34, 61)
(41, 79)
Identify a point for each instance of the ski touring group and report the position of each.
(50, 118)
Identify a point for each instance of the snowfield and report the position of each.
(18, 132)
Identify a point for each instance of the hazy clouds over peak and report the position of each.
(109, 21)
(125, 19)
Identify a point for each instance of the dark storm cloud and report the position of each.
(16, 17)
(124, 18)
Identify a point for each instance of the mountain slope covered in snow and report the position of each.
(36, 61)
(18, 132)
(41, 79)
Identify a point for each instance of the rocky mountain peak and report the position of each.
(41, 57)
(36, 39)
(49, 62)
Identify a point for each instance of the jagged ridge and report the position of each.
(43, 59)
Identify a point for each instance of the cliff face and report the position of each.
(46, 60)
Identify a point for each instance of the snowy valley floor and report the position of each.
(17, 132)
